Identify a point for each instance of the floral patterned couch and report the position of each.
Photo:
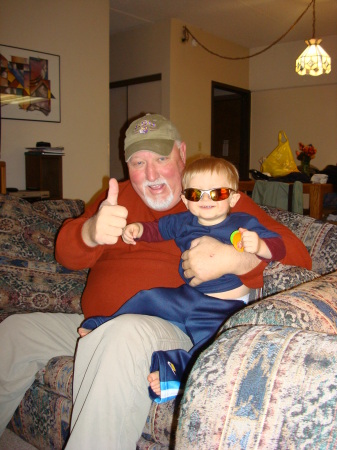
(31, 280)
(270, 377)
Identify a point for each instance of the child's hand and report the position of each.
(250, 241)
(83, 332)
(154, 381)
(131, 232)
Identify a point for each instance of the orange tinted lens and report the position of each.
(193, 195)
(219, 194)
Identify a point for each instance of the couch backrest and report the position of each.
(320, 238)
(30, 278)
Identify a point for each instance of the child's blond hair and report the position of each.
(212, 164)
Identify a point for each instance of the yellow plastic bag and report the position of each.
(280, 162)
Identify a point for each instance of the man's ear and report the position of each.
(183, 198)
(182, 151)
(234, 199)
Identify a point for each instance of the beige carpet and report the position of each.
(10, 441)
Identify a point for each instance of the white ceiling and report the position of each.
(250, 23)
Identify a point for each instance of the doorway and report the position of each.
(230, 126)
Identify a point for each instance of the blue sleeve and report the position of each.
(94, 322)
(252, 224)
(171, 365)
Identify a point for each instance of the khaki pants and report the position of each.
(28, 341)
(111, 400)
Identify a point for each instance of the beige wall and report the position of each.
(78, 31)
(305, 107)
(137, 53)
(141, 52)
(192, 72)
(187, 73)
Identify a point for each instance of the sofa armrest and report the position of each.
(310, 306)
(320, 238)
(261, 387)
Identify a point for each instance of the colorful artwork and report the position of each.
(29, 85)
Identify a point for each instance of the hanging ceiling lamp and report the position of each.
(314, 60)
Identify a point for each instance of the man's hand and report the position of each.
(107, 225)
(200, 262)
(208, 259)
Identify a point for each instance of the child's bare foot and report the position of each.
(154, 381)
(83, 332)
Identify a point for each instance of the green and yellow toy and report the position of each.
(235, 239)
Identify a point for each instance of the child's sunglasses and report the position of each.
(218, 194)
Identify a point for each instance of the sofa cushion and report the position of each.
(30, 278)
(278, 277)
(27, 230)
(262, 387)
(310, 306)
(320, 238)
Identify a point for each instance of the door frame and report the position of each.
(245, 97)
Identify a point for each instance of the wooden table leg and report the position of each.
(2, 177)
(316, 198)
(316, 201)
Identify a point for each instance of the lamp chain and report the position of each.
(314, 19)
(187, 33)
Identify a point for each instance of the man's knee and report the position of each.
(22, 324)
(12, 325)
(126, 331)
(135, 331)
(120, 342)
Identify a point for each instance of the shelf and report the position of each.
(44, 173)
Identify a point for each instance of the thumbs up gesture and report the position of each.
(107, 225)
(112, 197)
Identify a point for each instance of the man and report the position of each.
(111, 401)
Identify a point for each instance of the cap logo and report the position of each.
(144, 127)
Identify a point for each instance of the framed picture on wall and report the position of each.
(29, 85)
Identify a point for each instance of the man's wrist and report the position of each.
(140, 230)
(241, 262)
(86, 233)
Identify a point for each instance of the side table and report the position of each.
(316, 195)
(44, 172)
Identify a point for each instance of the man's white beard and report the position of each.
(158, 204)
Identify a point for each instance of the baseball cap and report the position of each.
(151, 132)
